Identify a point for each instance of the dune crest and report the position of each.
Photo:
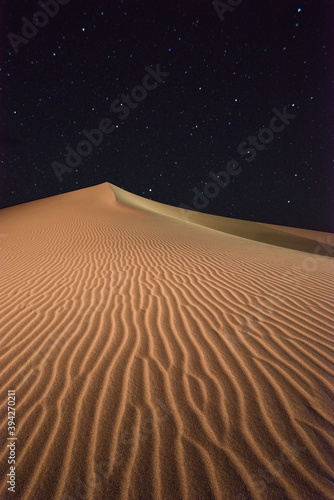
(163, 354)
(317, 242)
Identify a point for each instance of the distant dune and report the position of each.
(160, 353)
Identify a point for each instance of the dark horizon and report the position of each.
(219, 107)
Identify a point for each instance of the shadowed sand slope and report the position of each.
(304, 240)
(158, 353)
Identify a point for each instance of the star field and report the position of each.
(223, 79)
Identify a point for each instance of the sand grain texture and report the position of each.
(161, 354)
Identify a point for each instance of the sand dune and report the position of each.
(158, 353)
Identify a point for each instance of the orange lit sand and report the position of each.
(162, 354)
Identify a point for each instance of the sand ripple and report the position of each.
(154, 358)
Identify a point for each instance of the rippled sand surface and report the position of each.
(161, 354)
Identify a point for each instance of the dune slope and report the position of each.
(161, 354)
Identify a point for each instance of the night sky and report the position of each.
(244, 88)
